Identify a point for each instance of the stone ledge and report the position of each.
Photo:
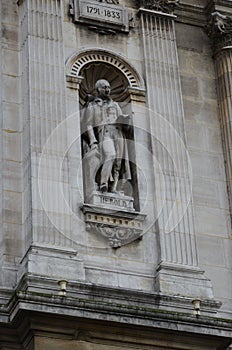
(156, 13)
(37, 305)
(197, 15)
(191, 14)
(72, 319)
(114, 305)
(223, 6)
(125, 298)
(117, 213)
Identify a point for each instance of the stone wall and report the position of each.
(213, 225)
(181, 181)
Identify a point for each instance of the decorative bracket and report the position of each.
(118, 227)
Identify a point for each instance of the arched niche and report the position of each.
(78, 60)
(92, 72)
(83, 69)
(126, 82)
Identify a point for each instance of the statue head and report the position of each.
(102, 87)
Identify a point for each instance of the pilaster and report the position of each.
(44, 103)
(178, 271)
(219, 29)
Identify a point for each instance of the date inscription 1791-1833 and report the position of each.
(102, 15)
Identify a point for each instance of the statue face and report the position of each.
(104, 88)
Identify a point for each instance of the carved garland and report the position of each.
(117, 236)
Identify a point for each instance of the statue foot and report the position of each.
(114, 191)
(103, 188)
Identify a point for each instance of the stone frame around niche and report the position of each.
(119, 226)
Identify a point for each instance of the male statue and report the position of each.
(105, 127)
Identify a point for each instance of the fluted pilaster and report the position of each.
(178, 253)
(44, 74)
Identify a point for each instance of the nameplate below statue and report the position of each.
(101, 14)
(112, 200)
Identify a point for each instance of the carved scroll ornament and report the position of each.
(117, 236)
(116, 227)
(219, 29)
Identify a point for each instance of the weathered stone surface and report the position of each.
(12, 117)
(192, 38)
(11, 91)
(123, 285)
(212, 251)
(212, 221)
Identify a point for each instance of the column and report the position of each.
(178, 271)
(220, 31)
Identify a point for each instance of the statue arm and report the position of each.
(89, 126)
(91, 135)
(123, 118)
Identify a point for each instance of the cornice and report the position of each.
(163, 6)
(222, 6)
(197, 15)
(84, 316)
(38, 297)
(191, 14)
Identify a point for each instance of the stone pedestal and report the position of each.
(116, 201)
(183, 280)
(117, 224)
(47, 261)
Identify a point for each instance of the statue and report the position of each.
(105, 150)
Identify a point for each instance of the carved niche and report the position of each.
(111, 205)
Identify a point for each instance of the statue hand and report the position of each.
(125, 116)
(93, 146)
(124, 119)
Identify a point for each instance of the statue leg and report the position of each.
(91, 163)
(115, 183)
(109, 154)
(118, 140)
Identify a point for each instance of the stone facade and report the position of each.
(138, 261)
